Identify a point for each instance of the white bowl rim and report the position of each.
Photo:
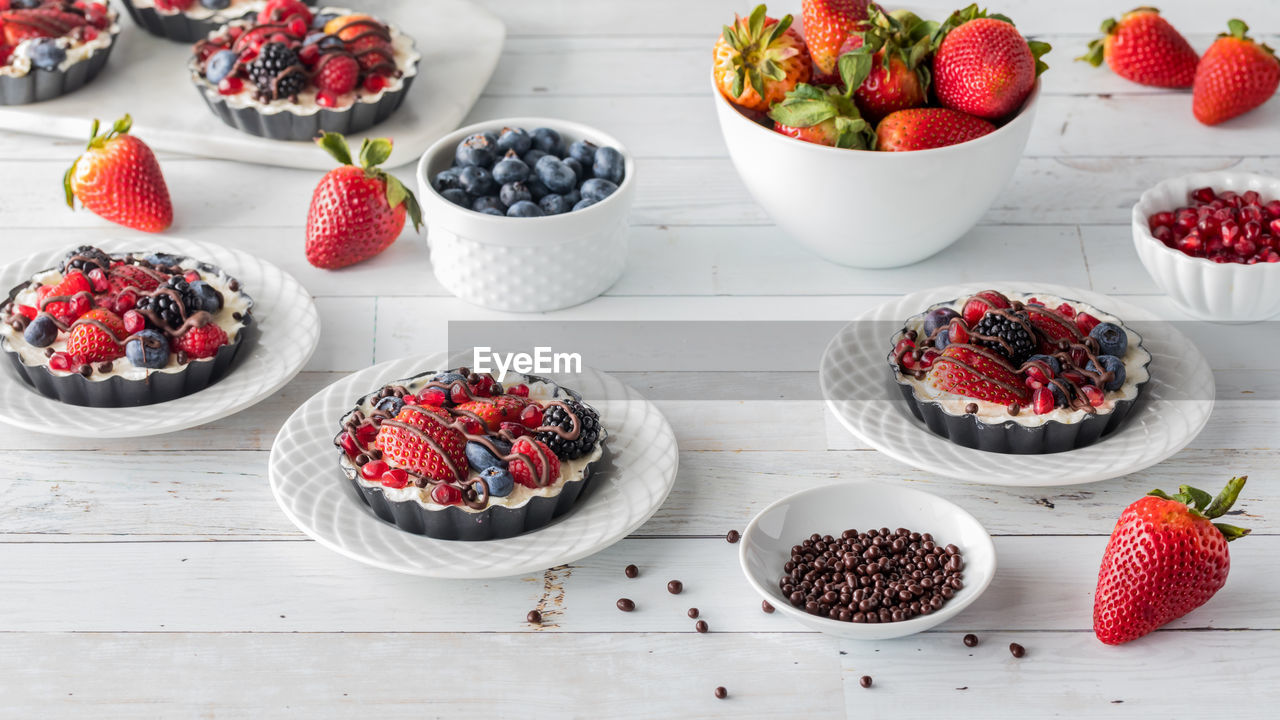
(1142, 227)
(576, 128)
(840, 627)
(1024, 114)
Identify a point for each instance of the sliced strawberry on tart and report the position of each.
(1019, 373)
(190, 20)
(456, 455)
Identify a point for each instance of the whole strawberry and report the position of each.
(827, 24)
(357, 212)
(1235, 76)
(898, 46)
(758, 60)
(926, 128)
(1144, 48)
(1166, 558)
(823, 117)
(119, 179)
(983, 66)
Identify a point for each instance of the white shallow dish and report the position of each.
(288, 330)
(314, 494)
(832, 509)
(859, 388)
(526, 264)
(147, 76)
(1218, 292)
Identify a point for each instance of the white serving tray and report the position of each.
(147, 77)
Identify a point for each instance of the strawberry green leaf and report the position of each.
(855, 67)
(1225, 499)
(1231, 532)
(1237, 28)
(755, 23)
(1094, 54)
(805, 106)
(397, 193)
(854, 133)
(1039, 50)
(1199, 499)
(1108, 25)
(123, 125)
(374, 152)
(336, 145)
(66, 184)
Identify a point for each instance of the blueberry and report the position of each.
(576, 167)
(41, 332)
(476, 181)
(322, 19)
(942, 339)
(163, 259)
(1113, 365)
(314, 38)
(1049, 360)
(391, 405)
(509, 171)
(498, 481)
(557, 176)
(554, 204)
(219, 66)
(514, 139)
(572, 197)
(447, 179)
(475, 151)
(532, 157)
(537, 188)
(609, 165)
(479, 457)
(25, 4)
(1112, 339)
(1059, 397)
(547, 140)
(148, 349)
(525, 208)
(584, 151)
(46, 55)
(493, 211)
(207, 297)
(216, 4)
(492, 137)
(449, 378)
(584, 203)
(489, 202)
(597, 189)
(457, 196)
(513, 193)
(937, 318)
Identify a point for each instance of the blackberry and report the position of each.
(557, 416)
(163, 304)
(267, 72)
(1011, 331)
(87, 257)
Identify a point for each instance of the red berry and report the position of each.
(395, 478)
(1042, 400)
(297, 27)
(458, 393)
(375, 83)
(60, 361)
(514, 429)
(309, 55)
(125, 302)
(1093, 395)
(134, 322)
(432, 396)
(326, 99)
(98, 280)
(365, 434)
(230, 85)
(349, 445)
(80, 304)
(958, 332)
(373, 470)
(201, 342)
(446, 495)
(519, 390)
(471, 426)
(1086, 323)
(1067, 310)
(531, 416)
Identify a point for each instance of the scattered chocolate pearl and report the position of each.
(534, 617)
(375, 454)
(85, 370)
(701, 626)
(48, 352)
(765, 606)
(865, 681)
(971, 408)
(182, 357)
(1017, 650)
(362, 459)
(626, 605)
(970, 640)
(693, 613)
(674, 587)
(234, 285)
(732, 537)
(105, 367)
(721, 692)
(236, 316)
(421, 482)
(631, 571)
(1015, 408)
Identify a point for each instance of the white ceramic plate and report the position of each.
(859, 388)
(147, 76)
(288, 331)
(314, 494)
(832, 509)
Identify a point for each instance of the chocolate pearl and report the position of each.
(534, 617)
(674, 587)
(105, 367)
(236, 316)
(183, 359)
(1015, 408)
(721, 692)
(693, 613)
(631, 571)
(701, 626)
(85, 370)
(865, 681)
(971, 408)
(234, 285)
(765, 606)
(732, 537)
(626, 604)
(1017, 650)
(970, 640)
(48, 352)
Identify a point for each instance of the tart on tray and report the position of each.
(456, 456)
(51, 47)
(1019, 373)
(187, 20)
(125, 329)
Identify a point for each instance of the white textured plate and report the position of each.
(288, 331)
(859, 388)
(313, 493)
(147, 76)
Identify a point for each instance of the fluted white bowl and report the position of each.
(1206, 290)
(525, 264)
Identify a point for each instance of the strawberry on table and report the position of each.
(758, 60)
(827, 25)
(925, 128)
(983, 66)
(119, 179)
(1166, 557)
(1235, 76)
(357, 212)
(1143, 47)
(408, 450)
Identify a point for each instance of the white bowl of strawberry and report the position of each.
(900, 166)
(1212, 242)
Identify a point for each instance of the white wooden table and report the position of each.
(156, 577)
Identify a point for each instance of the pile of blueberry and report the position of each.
(529, 174)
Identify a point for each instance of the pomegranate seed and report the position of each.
(98, 280)
(1275, 226)
(395, 478)
(1209, 226)
(1074, 377)
(126, 301)
(366, 433)
(1252, 230)
(80, 304)
(1161, 219)
(515, 429)
(1251, 197)
(60, 361)
(375, 83)
(309, 54)
(297, 27)
(928, 357)
(458, 393)
(1273, 209)
(326, 98)
(1163, 234)
(1038, 373)
(230, 86)
(905, 345)
(1244, 248)
(373, 469)
(446, 495)
(1067, 310)
(958, 331)
(471, 426)
(520, 390)
(349, 445)
(433, 396)
(1229, 230)
(1086, 322)
(1204, 194)
(30, 313)
(1093, 395)
(410, 399)
(479, 390)
(531, 416)
(1042, 400)
(1079, 357)
(1191, 245)
(1252, 212)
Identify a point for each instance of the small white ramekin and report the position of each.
(1206, 290)
(525, 264)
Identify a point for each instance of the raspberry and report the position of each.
(201, 342)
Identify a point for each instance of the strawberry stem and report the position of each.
(96, 141)
(1201, 503)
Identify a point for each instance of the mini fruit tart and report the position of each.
(455, 456)
(1017, 373)
(126, 329)
(52, 47)
(287, 74)
(189, 20)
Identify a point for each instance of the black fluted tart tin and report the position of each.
(1010, 437)
(157, 387)
(455, 522)
(40, 85)
(179, 26)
